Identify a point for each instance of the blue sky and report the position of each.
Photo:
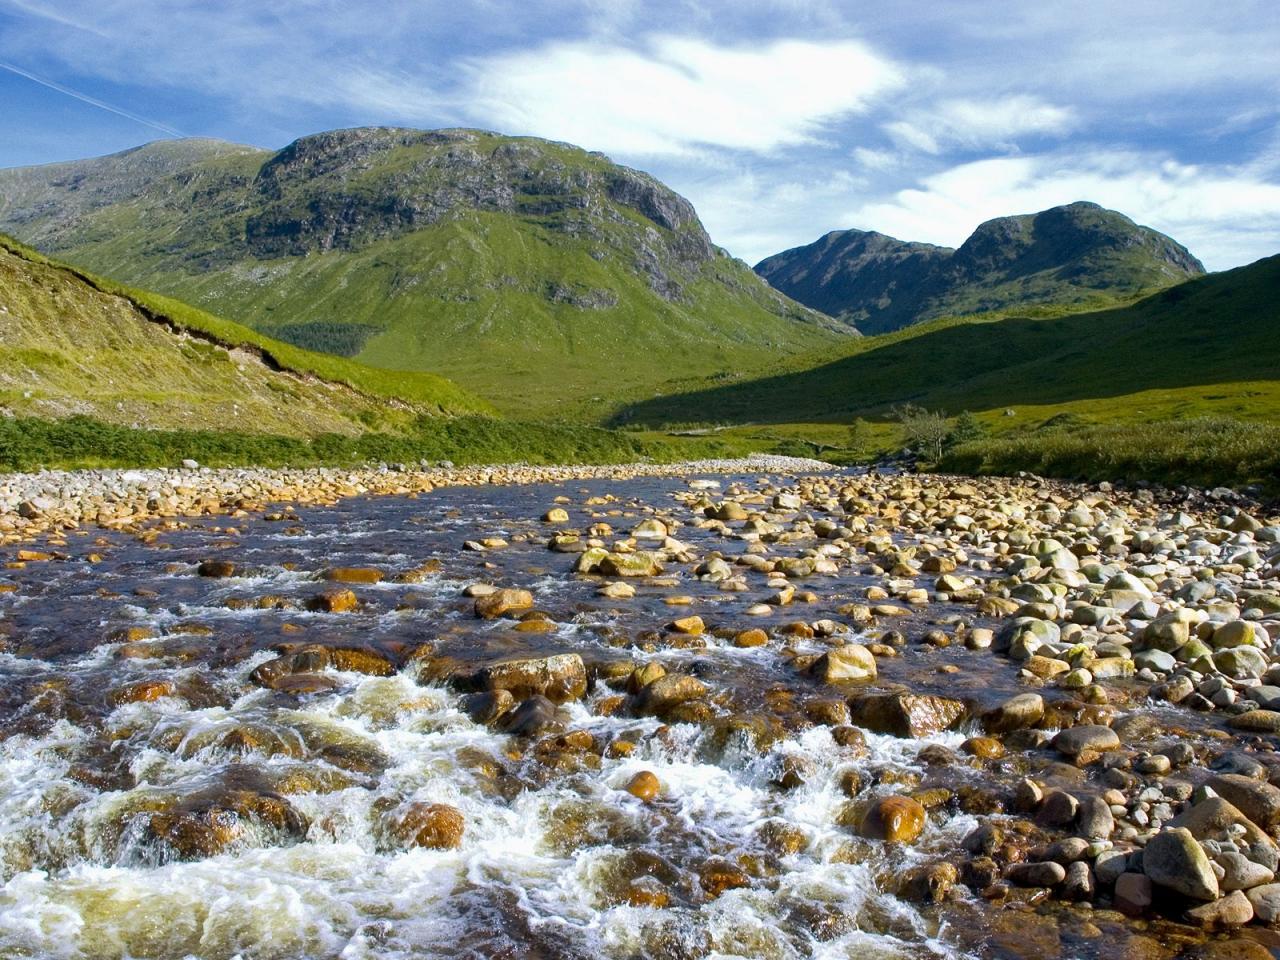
(780, 119)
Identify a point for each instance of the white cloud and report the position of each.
(974, 123)
(1227, 216)
(679, 94)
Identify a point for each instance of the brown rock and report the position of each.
(559, 678)
(893, 819)
(907, 715)
(500, 603)
(333, 601)
(353, 575)
(436, 826)
(645, 785)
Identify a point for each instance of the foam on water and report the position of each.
(343, 893)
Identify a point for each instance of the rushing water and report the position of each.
(553, 851)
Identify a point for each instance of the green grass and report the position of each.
(84, 442)
(548, 309)
(1206, 452)
(1205, 347)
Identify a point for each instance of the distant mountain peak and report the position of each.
(1075, 253)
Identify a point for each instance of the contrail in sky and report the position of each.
(85, 98)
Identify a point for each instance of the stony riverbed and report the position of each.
(656, 712)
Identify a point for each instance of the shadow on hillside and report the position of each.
(1215, 329)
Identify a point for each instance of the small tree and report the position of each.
(859, 436)
(966, 428)
(924, 431)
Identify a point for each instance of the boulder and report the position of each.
(1256, 799)
(1086, 738)
(851, 663)
(1173, 858)
(893, 819)
(435, 826)
(907, 714)
(559, 678)
(1233, 910)
(1016, 713)
(500, 603)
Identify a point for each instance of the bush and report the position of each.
(30, 444)
(1205, 452)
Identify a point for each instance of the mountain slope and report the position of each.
(1210, 332)
(535, 272)
(1079, 254)
(71, 344)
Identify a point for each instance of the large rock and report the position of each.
(852, 662)
(668, 691)
(1213, 818)
(1084, 739)
(1256, 799)
(1233, 910)
(642, 563)
(1173, 858)
(1016, 713)
(893, 819)
(435, 826)
(907, 714)
(503, 602)
(558, 678)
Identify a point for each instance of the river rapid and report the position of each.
(243, 764)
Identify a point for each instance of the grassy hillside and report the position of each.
(72, 344)
(1079, 254)
(1207, 346)
(540, 275)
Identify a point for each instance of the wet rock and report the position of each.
(669, 691)
(353, 575)
(718, 876)
(932, 883)
(893, 819)
(531, 718)
(1133, 894)
(1174, 859)
(485, 708)
(1233, 910)
(1016, 713)
(1257, 721)
(216, 568)
(559, 678)
(503, 603)
(645, 786)
(1041, 874)
(435, 826)
(1085, 739)
(907, 715)
(639, 564)
(211, 821)
(850, 663)
(333, 601)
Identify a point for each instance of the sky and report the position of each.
(780, 119)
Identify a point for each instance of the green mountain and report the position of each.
(1204, 346)
(535, 273)
(1079, 254)
(71, 344)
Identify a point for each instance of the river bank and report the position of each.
(35, 503)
